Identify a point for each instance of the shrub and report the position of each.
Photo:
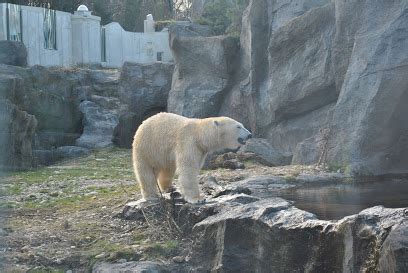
(224, 16)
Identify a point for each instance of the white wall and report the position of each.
(33, 38)
(3, 30)
(79, 40)
(122, 46)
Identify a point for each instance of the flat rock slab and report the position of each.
(130, 267)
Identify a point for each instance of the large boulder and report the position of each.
(260, 86)
(143, 90)
(16, 133)
(270, 235)
(370, 121)
(394, 250)
(13, 53)
(311, 66)
(267, 153)
(130, 267)
(99, 123)
(287, 134)
(204, 66)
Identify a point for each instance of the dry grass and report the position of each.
(65, 216)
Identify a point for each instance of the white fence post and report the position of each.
(86, 37)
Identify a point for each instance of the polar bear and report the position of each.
(166, 143)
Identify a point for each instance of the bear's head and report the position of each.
(231, 134)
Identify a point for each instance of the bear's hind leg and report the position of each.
(147, 181)
(165, 179)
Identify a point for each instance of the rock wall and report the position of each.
(201, 74)
(143, 92)
(313, 77)
(51, 113)
(271, 235)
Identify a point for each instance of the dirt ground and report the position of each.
(65, 216)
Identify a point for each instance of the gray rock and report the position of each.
(261, 60)
(45, 157)
(203, 68)
(99, 124)
(10, 86)
(271, 235)
(370, 121)
(13, 53)
(130, 267)
(16, 133)
(394, 250)
(145, 87)
(188, 29)
(48, 157)
(71, 151)
(307, 152)
(143, 91)
(266, 152)
(125, 130)
(338, 69)
(54, 112)
(50, 139)
(312, 150)
(53, 96)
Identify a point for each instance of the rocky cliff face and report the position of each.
(143, 91)
(314, 78)
(51, 113)
(257, 231)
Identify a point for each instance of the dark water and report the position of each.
(336, 201)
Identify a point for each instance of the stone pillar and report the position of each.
(149, 24)
(86, 37)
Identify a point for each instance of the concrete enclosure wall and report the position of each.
(3, 22)
(136, 47)
(78, 40)
(33, 38)
(86, 39)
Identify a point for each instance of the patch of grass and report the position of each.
(14, 189)
(113, 163)
(162, 249)
(7, 205)
(289, 178)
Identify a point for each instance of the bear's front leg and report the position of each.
(189, 185)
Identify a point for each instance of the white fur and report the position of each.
(168, 142)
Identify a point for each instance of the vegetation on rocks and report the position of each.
(224, 16)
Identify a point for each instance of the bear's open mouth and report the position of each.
(241, 141)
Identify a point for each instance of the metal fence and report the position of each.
(103, 44)
(50, 29)
(14, 23)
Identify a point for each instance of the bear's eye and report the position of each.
(239, 127)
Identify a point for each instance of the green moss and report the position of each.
(224, 16)
(163, 249)
(201, 21)
(335, 167)
(104, 164)
(289, 178)
(159, 25)
(7, 205)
